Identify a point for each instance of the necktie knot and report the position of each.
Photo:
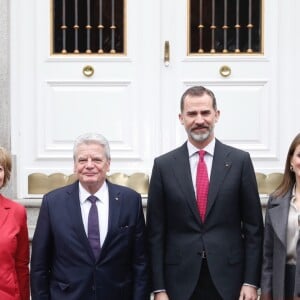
(201, 155)
(92, 199)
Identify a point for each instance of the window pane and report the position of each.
(88, 26)
(225, 26)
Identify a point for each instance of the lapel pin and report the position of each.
(117, 198)
(227, 165)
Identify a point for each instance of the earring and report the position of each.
(291, 168)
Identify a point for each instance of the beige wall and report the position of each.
(4, 76)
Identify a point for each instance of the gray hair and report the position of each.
(92, 138)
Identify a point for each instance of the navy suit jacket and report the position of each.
(63, 265)
(231, 234)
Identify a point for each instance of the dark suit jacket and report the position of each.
(274, 258)
(63, 265)
(14, 251)
(231, 234)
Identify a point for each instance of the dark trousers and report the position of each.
(205, 289)
(289, 282)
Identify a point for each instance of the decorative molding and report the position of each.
(96, 106)
(255, 127)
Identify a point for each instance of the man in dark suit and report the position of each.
(89, 242)
(209, 252)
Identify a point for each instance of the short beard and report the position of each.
(199, 137)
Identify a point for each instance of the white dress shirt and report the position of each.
(194, 159)
(102, 205)
(292, 231)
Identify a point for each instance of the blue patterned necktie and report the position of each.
(93, 227)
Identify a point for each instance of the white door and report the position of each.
(133, 99)
(54, 101)
(247, 97)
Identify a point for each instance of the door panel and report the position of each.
(56, 102)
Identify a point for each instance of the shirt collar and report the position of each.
(210, 148)
(100, 194)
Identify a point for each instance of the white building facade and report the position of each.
(48, 98)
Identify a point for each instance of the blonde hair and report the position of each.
(5, 162)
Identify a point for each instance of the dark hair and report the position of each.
(289, 177)
(5, 162)
(198, 91)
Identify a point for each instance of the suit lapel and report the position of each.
(74, 210)
(278, 213)
(220, 168)
(4, 210)
(182, 173)
(115, 202)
